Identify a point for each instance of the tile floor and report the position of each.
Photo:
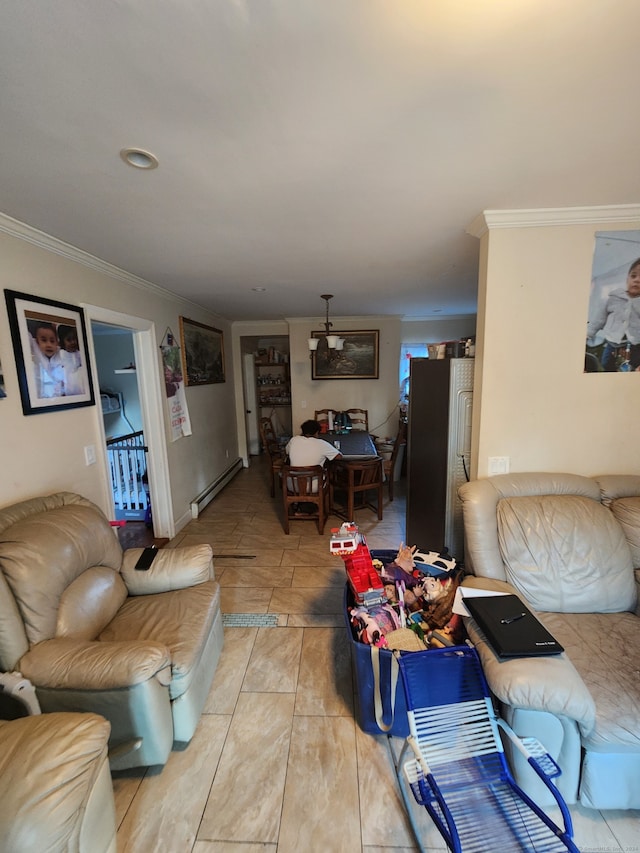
(278, 763)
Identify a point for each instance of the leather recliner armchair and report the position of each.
(92, 633)
(55, 786)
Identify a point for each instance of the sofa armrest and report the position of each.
(172, 568)
(66, 663)
(550, 684)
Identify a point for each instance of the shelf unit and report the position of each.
(273, 383)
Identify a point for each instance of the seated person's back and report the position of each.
(307, 449)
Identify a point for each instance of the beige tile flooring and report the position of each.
(278, 763)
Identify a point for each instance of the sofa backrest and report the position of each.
(47, 544)
(549, 536)
(621, 494)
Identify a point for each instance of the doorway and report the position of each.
(125, 441)
(132, 372)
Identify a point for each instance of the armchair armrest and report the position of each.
(172, 568)
(66, 663)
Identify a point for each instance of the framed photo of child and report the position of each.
(613, 323)
(52, 357)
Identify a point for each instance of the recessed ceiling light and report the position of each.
(139, 159)
(259, 289)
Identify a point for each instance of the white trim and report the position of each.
(529, 218)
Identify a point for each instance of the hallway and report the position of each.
(278, 763)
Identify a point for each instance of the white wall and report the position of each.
(532, 400)
(43, 453)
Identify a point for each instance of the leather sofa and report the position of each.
(93, 633)
(568, 545)
(55, 786)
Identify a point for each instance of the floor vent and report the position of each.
(250, 620)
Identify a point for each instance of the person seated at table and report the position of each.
(306, 450)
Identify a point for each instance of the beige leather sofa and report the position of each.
(92, 633)
(55, 787)
(568, 546)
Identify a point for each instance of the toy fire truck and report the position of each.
(364, 580)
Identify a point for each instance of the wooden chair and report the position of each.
(304, 486)
(273, 451)
(389, 465)
(359, 418)
(356, 480)
(322, 416)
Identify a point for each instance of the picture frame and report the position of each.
(202, 353)
(358, 359)
(51, 352)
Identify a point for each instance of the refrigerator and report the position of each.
(438, 451)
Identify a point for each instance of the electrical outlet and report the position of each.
(498, 465)
(90, 454)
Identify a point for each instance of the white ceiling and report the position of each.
(312, 146)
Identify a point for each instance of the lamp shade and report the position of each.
(313, 344)
(340, 344)
(332, 341)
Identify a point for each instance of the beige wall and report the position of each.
(532, 400)
(44, 453)
(380, 396)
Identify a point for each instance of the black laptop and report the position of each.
(510, 627)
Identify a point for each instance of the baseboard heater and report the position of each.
(205, 497)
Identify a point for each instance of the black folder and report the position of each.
(510, 627)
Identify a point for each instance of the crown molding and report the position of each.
(531, 218)
(22, 231)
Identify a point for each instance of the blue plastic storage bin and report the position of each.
(364, 682)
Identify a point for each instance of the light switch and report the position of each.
(90, 454)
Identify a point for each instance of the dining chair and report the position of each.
(275, 454)
(354, 480)
(389, 465)
(359, 418)
(322, 416)
(305, 488)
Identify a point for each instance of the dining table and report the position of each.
(355, 444)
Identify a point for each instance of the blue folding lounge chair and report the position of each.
(453, 761)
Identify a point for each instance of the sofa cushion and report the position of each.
(181, 620)
(627, 511)
(565, 553)
(89, 603)
(604, 649)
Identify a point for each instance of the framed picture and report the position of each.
(611, 343)
(52, 357)
(358, 359)
(202, 353)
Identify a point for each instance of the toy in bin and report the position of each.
(364, 580)
(345, 539)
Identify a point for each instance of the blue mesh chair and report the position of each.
(453, 761)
